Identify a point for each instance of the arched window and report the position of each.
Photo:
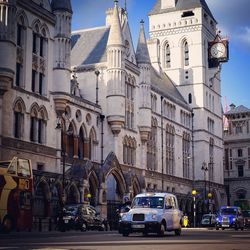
(186, 54)
(81, 144)
(42, 125)
(186, 154)
(19, 110)
(70, 141)
(167, 55)
(34, 124)
(130, 99)
(21, 50)
(152, 147)
(92, 144)
(129, 150)
(211, 157)
(170, 144)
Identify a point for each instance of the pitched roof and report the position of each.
(237, 110)
(181, 5)
(162, 84)
(89, 46)
(61, 5)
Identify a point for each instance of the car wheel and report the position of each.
(177, 232)
(145, 233)
(7, 224)
(102, 227)
(161, 230)
(217, 228)
(223, 228)
(125, 233)
(84, 227)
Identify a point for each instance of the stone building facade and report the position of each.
(115, 120)
(237, 155)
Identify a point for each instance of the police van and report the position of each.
(152, 213)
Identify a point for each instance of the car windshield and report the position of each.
(206, 216)
(70, 210)
(228, 211)
(246, 213)
(151, 202)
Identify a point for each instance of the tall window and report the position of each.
(240, 171)
(170, 137)
(186, 154)
(130, 102)
(20, 58)
(152, 147)
(186, 54)
(38, 124)
(129, 151)
(167, 55)
(39, 60)
(211, 158)
(81, 140)
(18, 119)
(153, 102)
(92, 144)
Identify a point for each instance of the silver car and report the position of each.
(152, 213)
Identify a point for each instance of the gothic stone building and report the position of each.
(119, 121)
(237, 155)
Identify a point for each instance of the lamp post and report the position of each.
(194, 193)
(205, 169)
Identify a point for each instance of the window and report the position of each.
(18, 73)
(130, 93)
(33, 81)
(167, 55)
(238, 129)
(153, 102)
(18, 119)
(211, 158)
(170, 138)
(240, 171)
(189, 98)
(129, 151)
(186, 154)
(187, 14)
(40, 166)
(186, 54)
(152, 147)
(240, 153)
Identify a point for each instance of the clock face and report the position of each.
(218, 50)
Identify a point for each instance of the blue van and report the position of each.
(230, 217)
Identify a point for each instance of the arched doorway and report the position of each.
(73, 196)
(42, 201)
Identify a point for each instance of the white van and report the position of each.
(152, 213)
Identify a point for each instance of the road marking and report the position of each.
(240, 236)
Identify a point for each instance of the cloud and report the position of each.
(233, 19)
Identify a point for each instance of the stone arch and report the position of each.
(19, 105)
(42, 206)
(45, 30)
(21, 18)
(93, 187)
(73, 194)
(84, 130)
(34, 110)
(36, 25)
(43, 114)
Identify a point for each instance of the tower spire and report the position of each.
(142, 54)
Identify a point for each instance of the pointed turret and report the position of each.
(116, 74)
(115, 34)
(62, 5)
(143, 60)
(142, 55)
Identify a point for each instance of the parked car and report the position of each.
(208, 220)
(230, 217)
(246, 216)
(83, 217)
(152, 213)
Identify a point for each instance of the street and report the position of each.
(193, 239)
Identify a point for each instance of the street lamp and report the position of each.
(205, 169)
(194, 193)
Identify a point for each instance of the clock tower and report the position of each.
(180, 32)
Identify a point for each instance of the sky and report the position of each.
(233, 21)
